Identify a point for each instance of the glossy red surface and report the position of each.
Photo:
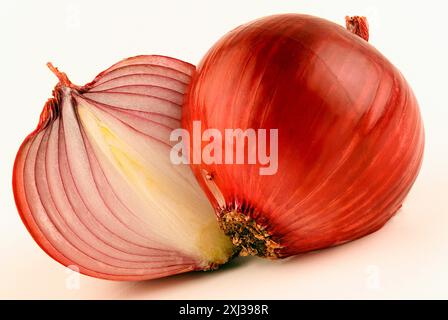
(351, 137)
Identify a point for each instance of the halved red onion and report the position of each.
(94, 183)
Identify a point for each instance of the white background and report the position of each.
(408, 258)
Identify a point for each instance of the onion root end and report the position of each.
(248, 236)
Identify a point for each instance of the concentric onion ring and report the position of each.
(94, 183)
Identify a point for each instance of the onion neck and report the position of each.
(358, 26)
(62, 76)
(53, 105)
(249, 237)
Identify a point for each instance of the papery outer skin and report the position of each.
(351, 138)
(72, 208)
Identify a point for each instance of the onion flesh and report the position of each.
(94, 183)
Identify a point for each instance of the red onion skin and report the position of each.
(351, 138)
(358, 25)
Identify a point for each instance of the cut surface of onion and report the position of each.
(94, 183)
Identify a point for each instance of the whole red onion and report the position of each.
(350, 136)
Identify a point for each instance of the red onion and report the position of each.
(94, 183)
(350, 136)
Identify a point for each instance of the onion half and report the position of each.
(94, 183)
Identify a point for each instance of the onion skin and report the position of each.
(351, 138)
(358, 25)
(83, 209)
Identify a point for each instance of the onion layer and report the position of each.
(350, 135)
(94, 183)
